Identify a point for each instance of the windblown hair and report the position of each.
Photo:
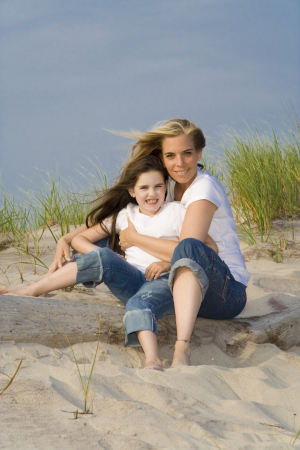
(117, 197)
(150, 142)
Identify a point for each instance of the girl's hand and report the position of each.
(126, 236)
(62, 251)
(155, 269)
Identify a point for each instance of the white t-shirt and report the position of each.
(166, 224)
(222, 228)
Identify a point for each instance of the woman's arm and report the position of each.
(196, 224)
(63, 248)
(83, 242)
(162, 249)
(197, 220)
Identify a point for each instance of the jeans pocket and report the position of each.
(220, 281)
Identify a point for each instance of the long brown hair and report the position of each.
(117, 197)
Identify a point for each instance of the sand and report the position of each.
(246, 399)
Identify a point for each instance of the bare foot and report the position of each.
(154, 365)
(26, 292)
(3, 290)
(182, 354)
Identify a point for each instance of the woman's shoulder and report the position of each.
(204, 187)
(205, 180)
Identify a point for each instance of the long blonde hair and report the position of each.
(150, 142)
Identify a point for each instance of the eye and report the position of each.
(188, 152)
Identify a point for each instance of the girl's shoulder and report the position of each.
(172, 205)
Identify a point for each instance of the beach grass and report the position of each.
(260, 173)
(25, 218)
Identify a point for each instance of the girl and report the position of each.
(138, 196)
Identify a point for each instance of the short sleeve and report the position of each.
(121, 218)
(122, 221)
(203, 188)
(178, 217)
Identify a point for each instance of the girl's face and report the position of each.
(149, 192)
(180, 158)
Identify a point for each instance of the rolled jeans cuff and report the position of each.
(89, 270)
(138, 320)
(197, 271)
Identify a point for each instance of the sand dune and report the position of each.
(248, 398)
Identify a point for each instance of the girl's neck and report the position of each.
(147, 213)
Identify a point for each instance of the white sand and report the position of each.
(251, 401)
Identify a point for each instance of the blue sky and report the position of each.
(70, 69)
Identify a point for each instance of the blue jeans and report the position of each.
(223, 296)
(145, 301)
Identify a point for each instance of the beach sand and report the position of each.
(231, 398)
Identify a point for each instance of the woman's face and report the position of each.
(180, 158)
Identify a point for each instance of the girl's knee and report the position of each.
(137, 304)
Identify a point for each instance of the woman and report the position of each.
(203, 283)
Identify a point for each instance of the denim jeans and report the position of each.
(145, 301)
(223, 296)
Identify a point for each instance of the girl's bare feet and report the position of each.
(182, 353)
(3, 290)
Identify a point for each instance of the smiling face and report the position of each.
(149, 192)
(180, 158)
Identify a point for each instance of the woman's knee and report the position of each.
(189, 248)
(191, 255)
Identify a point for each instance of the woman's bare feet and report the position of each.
(154, 364)
(3, 289)
(182, 353)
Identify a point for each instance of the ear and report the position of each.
(199, 154)
(131, 192)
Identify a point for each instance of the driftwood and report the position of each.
(40, 320)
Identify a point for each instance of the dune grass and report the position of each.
(27, 217)
(261, 175)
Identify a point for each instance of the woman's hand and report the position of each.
(126, 236)
(62, 251)
(155, 269)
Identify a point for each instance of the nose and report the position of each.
(151, 192)
(179, 161)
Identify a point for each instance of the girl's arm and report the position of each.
(83, 242)
(196, 224)
(63, 248)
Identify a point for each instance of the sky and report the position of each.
(70, 70)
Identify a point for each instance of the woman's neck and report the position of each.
(180, 188)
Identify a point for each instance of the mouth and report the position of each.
(152, 201)
(181, 172)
